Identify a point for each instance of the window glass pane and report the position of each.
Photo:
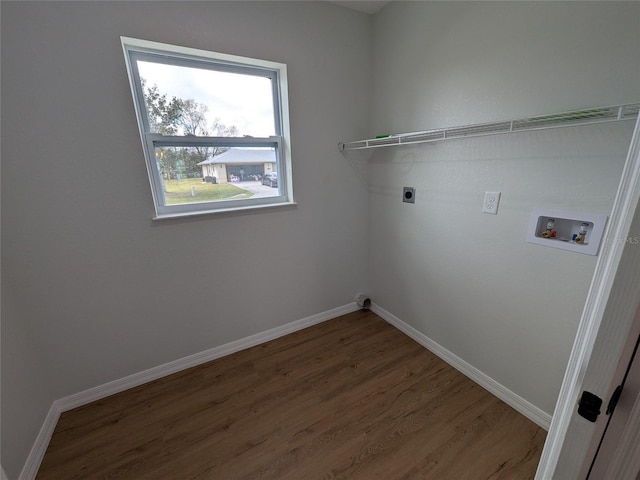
(211, 174)
(183, 100)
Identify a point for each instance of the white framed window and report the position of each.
(214, 128)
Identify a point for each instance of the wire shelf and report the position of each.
(565, 119)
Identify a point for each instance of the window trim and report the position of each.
(136, 49)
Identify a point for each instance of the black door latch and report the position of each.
(589, 406)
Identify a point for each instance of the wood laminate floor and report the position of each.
(351, 398)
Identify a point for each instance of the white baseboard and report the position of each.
(96, 393)
(526, 408)
(116, 386)
(31, 466)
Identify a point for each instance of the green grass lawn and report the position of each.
(179, 191)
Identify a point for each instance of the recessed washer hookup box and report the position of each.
(577, 232)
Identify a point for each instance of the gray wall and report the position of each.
(106, 291)
(97, 291)
(469, 280)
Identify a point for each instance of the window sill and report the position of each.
(169, 216)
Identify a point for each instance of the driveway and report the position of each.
(257, 189)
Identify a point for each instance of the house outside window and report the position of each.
(239, 165)
(214, 128)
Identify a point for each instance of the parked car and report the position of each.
(270, 179)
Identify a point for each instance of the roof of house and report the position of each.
(243, 156)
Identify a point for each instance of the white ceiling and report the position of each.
(367, 6)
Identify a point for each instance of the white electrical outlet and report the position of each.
(491, 202)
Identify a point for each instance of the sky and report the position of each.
(244, 101)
